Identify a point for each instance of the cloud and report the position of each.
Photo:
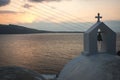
(7, 12)
(27, 6)
(4, 2)
(43, 0)
(10, 17)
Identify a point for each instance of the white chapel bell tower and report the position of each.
(102, 33)
(98, 61)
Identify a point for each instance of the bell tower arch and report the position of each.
(106, 37)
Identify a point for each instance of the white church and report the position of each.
(98, 61)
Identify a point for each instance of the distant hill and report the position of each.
(15, 29)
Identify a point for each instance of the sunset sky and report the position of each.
(59, 14)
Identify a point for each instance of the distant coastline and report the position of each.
(16, 29)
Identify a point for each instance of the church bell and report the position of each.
(99, 37)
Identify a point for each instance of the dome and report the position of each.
(94, 67)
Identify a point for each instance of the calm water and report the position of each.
(45, 53)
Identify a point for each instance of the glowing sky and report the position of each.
(57, 11)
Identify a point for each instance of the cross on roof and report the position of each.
(98, 17)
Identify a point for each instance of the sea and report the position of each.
(46, 53)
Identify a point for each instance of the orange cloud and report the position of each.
(13, 18)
